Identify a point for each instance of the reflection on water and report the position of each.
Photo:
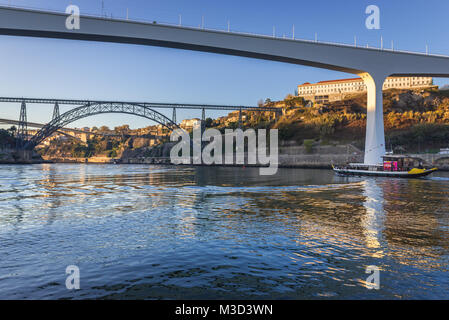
(373, 220)
(177, 232)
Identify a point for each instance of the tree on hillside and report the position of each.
(13, 130)
(123, 130)
(208, 122)
(7, 140)
(104, 129)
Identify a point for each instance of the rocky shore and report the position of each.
(290, 156)
(12, 156)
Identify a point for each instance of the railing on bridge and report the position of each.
(228, 30)
(156, 105)
(90, 107)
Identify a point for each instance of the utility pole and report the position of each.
(355, 41)
(127, 14)
(274, 32)
(316, 37)
(229, 26)
(293, 32)
(180, 20)
(381, 43)
(202, 22)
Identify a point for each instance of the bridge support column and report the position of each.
(240, 118)
(375, 134)
(203, 121)
(203, 115)
(55, 111)
(22, 130)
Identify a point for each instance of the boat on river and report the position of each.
(394, 166)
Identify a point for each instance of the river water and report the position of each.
(157, 232)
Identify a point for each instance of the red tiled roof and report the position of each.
(341, 80)
(332, 81)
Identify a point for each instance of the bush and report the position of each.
(308, 144)
(112, 154)
(7, 140)
(421, 135)
(286, 131)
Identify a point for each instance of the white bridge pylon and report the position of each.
(372, 65)
(375, 132)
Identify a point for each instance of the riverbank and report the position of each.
(290, 156)
(12, 156)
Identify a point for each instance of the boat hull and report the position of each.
(414, 173)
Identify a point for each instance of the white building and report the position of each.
(189, 124)
(327, 91)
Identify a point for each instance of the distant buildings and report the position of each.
(189, 124)
(328, 91)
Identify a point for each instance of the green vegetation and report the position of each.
(7, 138)
(415, 121)
(420, 138)
(99, 146)
(308, 144)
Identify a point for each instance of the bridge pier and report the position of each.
(22, 130)
(56, 111)
(174, 115)
(375, 135)
(240, 118)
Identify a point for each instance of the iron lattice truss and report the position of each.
(154, 105)
(95, 109)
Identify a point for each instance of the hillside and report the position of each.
(415, 121)
(116, 146)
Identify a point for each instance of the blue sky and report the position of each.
(74, 69)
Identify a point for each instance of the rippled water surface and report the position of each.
(209, 233)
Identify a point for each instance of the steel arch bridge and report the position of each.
(92, 109)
